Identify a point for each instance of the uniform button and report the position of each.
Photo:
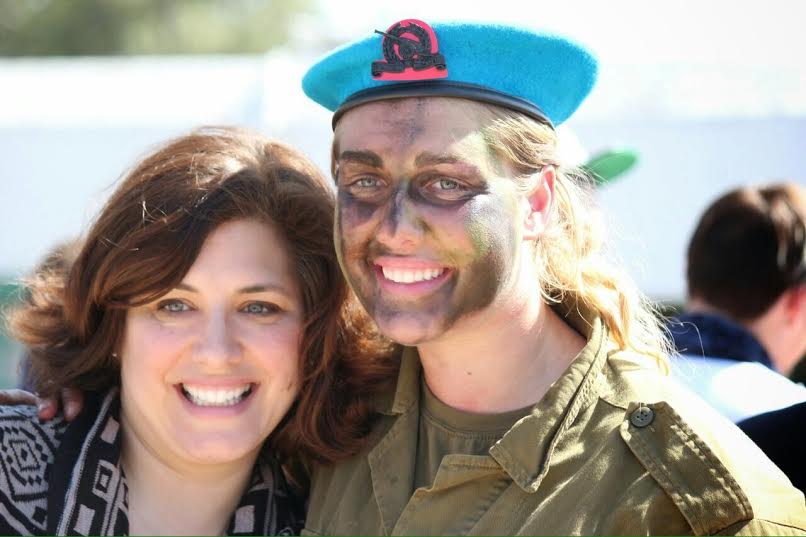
(642, 416)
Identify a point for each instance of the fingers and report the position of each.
(72, 402)
(17, 397)
(47, 407)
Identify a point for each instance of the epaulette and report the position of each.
(690, 473)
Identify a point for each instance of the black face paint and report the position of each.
(411, 128)
(471, 234)
(495, 248)
(395, 207)
(360, 209)
(418, 195)
(481, 264)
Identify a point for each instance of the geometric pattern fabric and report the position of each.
(66, 479)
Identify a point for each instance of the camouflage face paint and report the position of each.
(410, 125)
(425, 198)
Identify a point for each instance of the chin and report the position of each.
(410, 331)
(218, 449)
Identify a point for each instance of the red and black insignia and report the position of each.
(410, 52)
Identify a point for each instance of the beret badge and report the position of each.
(410, 52)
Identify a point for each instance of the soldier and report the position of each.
(531, 397)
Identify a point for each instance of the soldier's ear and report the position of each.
(537, 203)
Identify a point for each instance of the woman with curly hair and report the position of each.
(207, 321)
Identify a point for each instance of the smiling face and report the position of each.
(428, 225)
(209, 369)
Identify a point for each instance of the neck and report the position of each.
(781, 340)
(166, 498)
(502, 359)
(697, 305)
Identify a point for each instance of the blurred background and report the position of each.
(708, 96)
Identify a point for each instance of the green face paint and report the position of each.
(416, 199)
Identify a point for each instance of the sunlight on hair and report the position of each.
(570, 253)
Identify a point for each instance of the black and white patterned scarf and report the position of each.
(61, 479)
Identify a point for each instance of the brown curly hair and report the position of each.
(146, 238)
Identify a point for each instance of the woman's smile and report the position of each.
(210, 396)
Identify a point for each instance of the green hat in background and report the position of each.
(609, 165)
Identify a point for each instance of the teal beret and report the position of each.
(542, 75)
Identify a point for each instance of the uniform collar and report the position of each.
(407, 392)
(525, 451)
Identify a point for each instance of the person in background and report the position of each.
(207, 321)
(799, 373)
(781, 434)
(744, 328)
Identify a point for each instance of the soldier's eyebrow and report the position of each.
(369, 158)
(432, 159)
(425, 158)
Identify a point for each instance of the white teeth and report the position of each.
(411, 276)
(202, 396)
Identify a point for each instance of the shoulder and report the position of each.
(290, 502)
(20, 427)
(27, 449)
(715, 475)
(342, 496)
(270, 505)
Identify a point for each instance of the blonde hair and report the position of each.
(570, 253)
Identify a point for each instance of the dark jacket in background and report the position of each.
(703, 334)
(781, 434)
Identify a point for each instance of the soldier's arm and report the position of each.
(758, 526)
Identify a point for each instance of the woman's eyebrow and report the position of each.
(256, 288)
(262, 288)
(186, 287)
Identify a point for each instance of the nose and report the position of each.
(217, 346)
(402, 226)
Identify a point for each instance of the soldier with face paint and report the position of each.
(531, 396)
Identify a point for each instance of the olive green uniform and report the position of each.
(613, 448)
